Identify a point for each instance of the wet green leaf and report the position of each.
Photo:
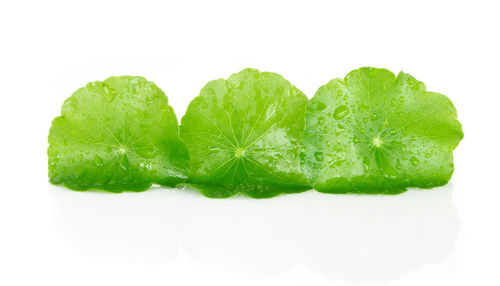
(116, 135)
(243, 135)
(373, 132)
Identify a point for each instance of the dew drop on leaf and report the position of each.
(124, 164)
(147, 152)
(390, 173)
(111, 93)
(414, 161)
(320, 106)
(341, 112)
(145, 165)
(398, 165)
(302, 156)
(98, 161)
(318, 156)
(366, 163)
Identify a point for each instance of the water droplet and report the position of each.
(428, 155)
(366, 163)
(389, 172)
(341, 112)
(54, 161)
(302, 156)
(398, 165)
(397, 145)
(320, 106)
(145, 152)
(124, 165)
(355, 139)
(414, 161)
(321, 120)
(318, 156)
(110, 92)
(394, 102)
(98, 161)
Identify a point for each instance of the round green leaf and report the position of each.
(373, 132)
(243, 135)
(116, 135)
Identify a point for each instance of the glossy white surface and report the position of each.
(53, 236)
(337, 237)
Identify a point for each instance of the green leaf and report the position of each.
(117, 135)
(243, 135)
(373, 132)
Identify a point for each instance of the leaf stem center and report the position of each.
(377, 141)
(122, 149)
(239, 152)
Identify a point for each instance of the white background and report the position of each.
(53, 236)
